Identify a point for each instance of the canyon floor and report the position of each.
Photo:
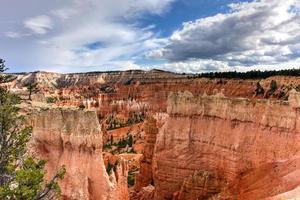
(157, 135)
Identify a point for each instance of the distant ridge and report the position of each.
(253, 74)
(99, 72)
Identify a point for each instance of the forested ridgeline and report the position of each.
(254, 74)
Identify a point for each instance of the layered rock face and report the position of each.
(125, 91)
(213, 147)
(145, 176)
(234, 145)
(73, 138)
(57, 80)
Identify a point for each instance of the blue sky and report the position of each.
(186, 10)
(176, 35)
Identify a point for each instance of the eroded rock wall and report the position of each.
(213, 147)
(145, 177)
(73, 138)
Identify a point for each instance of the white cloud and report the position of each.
(12, 34)
(209, 65)
(258, 33)
(108, 66)
(124, 65)
(106, 35)
(64, 13)
(101, 23)
(114, 42)
(39, 25)
(194, 66)
(124, 8)
(89, 34)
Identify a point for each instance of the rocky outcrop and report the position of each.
(214, 147)
(58, 80)
(118, 177)
(73, 138)
(145, 193)
(145, 177)
(201, 185)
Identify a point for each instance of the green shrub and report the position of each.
(107, 146)
(81, 106)
(51, 99)
(122, 143)
(259, 89)
(273, 88)
(131, 151)
(130, 140)
(130, 179)
(109, 168)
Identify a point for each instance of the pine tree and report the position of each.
(21, 176)
(130, 140)
(32, 88)
(3, 77)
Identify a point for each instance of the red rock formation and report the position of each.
(217, 147)
(145, 178)
(118, 134)
(145, 193)
(132, 159)
(73, 138)
(119, 179)
(210, 146)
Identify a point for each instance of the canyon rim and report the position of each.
(150, 100)
(197, 138)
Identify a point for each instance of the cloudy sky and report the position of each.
(177, 35)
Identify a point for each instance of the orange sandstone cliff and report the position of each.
(73, 138)
(214, 147)
(223, 139)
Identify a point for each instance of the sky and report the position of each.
(190, 36)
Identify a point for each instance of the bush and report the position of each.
(122, 143)
(132, 151)
(107, 146)
(282, 95)
(130, 179)
(81, 106)
(109, 168)
(51, 99)
(273, 88)
(259, 89)
(130, 140)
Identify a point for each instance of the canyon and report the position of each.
(217, 147)
(159, 135)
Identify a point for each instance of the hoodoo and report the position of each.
(73, 138)
(121, 139)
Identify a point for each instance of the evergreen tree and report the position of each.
(273, 88)
(253, 74)
(259, 89)
(21, 176)
(32, 88)
(130, 140)
(3, 77)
